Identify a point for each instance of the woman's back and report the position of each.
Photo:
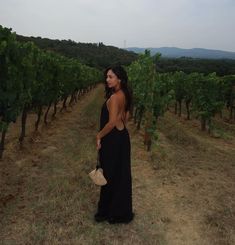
(121, 105)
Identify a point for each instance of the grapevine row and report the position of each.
(31, 79)
(153, 92)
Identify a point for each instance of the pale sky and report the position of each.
(126, 23)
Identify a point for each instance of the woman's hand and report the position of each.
(98, 144)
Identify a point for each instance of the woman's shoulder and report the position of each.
(115, 97)
(112, 97)
(118, 95)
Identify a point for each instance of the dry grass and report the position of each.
(198, 173)
(183, 191)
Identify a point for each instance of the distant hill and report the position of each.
(92, 54)
(172, 52)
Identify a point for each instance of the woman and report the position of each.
(113, 144)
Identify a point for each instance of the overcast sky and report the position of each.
(140, 23)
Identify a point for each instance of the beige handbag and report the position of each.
(97, 174)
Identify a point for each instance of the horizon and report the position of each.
(184, 48)
(126, 47)
(186, 24)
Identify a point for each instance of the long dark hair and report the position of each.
(120, 72)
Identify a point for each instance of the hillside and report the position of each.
(101, 56)
(172, 52)
(222, 67)
(92, 54)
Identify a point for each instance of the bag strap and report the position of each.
(124, 121)
(98, 165)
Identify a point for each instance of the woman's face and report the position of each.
(112, 80)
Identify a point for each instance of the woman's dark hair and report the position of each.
(120, 72)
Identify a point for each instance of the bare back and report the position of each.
(122, 115)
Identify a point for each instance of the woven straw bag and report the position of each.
(97, 174)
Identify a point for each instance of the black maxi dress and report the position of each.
(115, 201)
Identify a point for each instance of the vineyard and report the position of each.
(204, 96)
(31, 79)
(183, 149)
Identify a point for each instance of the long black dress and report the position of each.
(115, 202)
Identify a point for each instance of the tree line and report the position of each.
(222, 67)
(101, 56)
(92, 54)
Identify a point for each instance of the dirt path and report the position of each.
(183, 192)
